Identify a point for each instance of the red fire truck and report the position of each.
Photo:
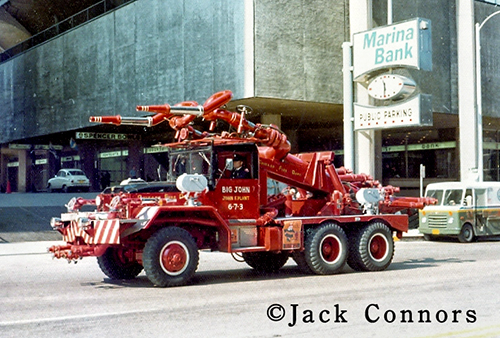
(335, 217)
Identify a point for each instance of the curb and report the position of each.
(411, 235)
(29, 236)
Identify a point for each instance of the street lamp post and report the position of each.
(479, 99)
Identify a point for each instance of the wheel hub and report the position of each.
(330, 249)
(174, 257)
(378, 247)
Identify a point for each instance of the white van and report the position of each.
(464, 209)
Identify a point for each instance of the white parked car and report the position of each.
(67, 179)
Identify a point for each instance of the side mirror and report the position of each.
(468, 201)
(229, 164)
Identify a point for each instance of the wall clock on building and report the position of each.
(390, 86)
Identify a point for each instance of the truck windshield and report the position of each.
(190, 162)
(453, 197)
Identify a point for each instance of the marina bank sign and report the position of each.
(380, 57)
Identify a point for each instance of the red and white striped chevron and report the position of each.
(104, 232)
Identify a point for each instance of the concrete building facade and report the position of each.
(282, 58)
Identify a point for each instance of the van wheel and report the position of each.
(170, 257)
(430, 238)
(466, 234)
(371, 248)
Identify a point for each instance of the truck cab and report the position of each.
(465, 210)
(216, 163)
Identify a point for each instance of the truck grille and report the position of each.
(438, 221)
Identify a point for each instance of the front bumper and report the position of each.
(79, 226)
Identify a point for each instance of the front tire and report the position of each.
(266, 261)
(371, 248)
(466, 234)
(325, 249)
(430, 238)
(116, 264)
(170, 257)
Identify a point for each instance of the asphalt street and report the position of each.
(431, 290)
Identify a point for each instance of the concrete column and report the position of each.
(467, 117)
(348, 94)
(22, 170)
(88, 160)
(365, 142)
(3, 171)
(249, 44)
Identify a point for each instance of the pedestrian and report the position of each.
(133, 173)
(105, 180)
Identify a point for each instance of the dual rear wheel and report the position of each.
(325, 250)
(328, 248)
(371, 248)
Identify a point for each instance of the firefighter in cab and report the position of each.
(239, 168)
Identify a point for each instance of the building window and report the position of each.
(491, 155)
(404, 152)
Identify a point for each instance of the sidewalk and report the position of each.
(23, 248)
(29, 236)
(25, 217)
(412, 234)
(42, 199)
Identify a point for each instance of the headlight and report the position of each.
(450, 220)
(56, 223)
(424, 219)
(98, 201)
(84, 223)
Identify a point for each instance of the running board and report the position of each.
(249, 248)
